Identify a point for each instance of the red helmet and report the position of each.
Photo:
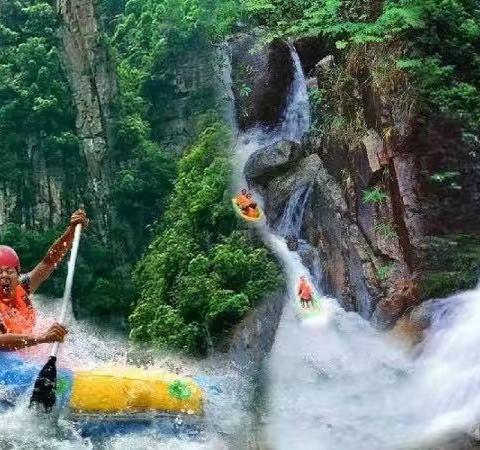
(9, 258)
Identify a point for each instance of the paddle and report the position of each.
(46, 383)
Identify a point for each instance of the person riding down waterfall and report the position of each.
(305, 293)
(246, 204)
(17, 315)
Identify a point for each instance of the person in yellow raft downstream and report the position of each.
(245, 202)
(17, 315)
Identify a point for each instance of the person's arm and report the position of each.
(9, 342)
(57, 252)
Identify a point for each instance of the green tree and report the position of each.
(202, 272)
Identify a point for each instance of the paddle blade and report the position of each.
(45, 386)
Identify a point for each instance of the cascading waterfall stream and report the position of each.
(336, 383)
(292, 218)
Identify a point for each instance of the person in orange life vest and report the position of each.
(17, 315)
(251, 209)
(305, 292)
(241, 199)
(246, 204)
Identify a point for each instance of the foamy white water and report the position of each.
(86, 347)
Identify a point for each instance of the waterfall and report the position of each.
(291, 221)
(296, 117)
(449, 367)
(338, 384)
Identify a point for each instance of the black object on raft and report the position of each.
(45, 386)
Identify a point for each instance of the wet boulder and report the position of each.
(262, 74)
(292, 243)
(271, 161)
(404, 294)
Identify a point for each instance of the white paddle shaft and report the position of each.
(68, 284)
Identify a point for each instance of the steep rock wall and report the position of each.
(198, 84)
(93, 84)
(253, 338)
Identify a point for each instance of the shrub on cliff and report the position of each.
(202, 272)
(453, 265)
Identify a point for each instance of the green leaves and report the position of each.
(374, 195)
(385, 230)
(180, 390)
(200, 275)
(384, 271)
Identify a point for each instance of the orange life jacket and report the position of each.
(251, 212)
(304, 291)
(17, 315)
(242, 201)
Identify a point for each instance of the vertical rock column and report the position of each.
(93, 86)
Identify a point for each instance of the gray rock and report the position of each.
(323, 67)
(268, 162)
(373, 143)
(262, 75)
(278, 191)
(93, 83)
(253, 338)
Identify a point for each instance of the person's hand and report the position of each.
(79, 217)
(56, 333)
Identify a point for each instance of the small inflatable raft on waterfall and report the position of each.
(314, 310)
(112, 400)
(239, 211)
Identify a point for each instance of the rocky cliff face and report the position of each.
(52, 184)
(253, 338)
(388, 171)
(261, 76)
(384, 182)
(93, 84)
(198, 83)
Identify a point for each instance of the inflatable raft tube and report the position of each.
(243, 216)
(112, 400)
(314, 310)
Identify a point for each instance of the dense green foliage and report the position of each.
(444, 59)
(454, 265)
(35, 105)
(37, 123)
(157, 42)
(201, 274)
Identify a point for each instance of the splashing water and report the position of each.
(88, 347)
(291, 222)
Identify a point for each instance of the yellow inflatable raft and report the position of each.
(243, 216)
(134, 390)
(112, 400)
